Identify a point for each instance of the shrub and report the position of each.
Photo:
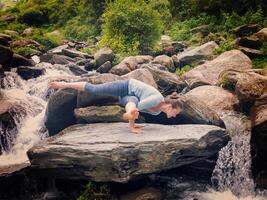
(24, 51)
(46, 42)
(261, 63)
(130, 27)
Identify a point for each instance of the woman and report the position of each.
(133, 94)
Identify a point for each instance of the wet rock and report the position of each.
(165, 61)
(167, 82)
(19, 60)
(196, 55)
(76, 70)
(198, 112)
(6, 55)
(216, 98)
(60, 110)
(262, 35)
(105, 67)
(208, 73)
(27, 72)
(129, 64)
(251, 53)
(247, 29)
(83, 62)
(103, 55)
(90, 65)
(74, 53)
(109, 152)
(249, 42)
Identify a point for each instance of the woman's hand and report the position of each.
(131, 115)
(56, 84)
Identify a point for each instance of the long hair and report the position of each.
(174, 100)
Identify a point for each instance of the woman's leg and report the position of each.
(115, 88)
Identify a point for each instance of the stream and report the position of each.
(231, 179)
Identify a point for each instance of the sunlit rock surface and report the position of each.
(110, 152)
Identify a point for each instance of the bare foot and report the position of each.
(56, 85)
(136, 130)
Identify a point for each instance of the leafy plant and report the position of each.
(92, 192)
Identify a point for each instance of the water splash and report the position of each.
(28, 100)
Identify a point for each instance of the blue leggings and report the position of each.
(115, 88)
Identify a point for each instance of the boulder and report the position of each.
(104, 68)
(6, 55)
(2, 74)
(27, 72)
(11, 33)
(8, 18)
(83, 62)
(94, 114)
(27, 43)
(196, 55)
(199, 112)
(76, 70)
(208, 73)
(247, 29)
(90, 65)
(19, 60)
(129, 64)
(262, 35)
(4, 41)
(143, 75)
(169, 47)
(167, 82)
(60, 110)
(165, 61)
(7, 37)
(248, 85)
(103, 55)
(58, 50)
(251, 53)
(61, 59)
(203, 29)
(216, 98)
(249, 42)
(74, 53)
(109, 152)
(28, 32)
(259, 140)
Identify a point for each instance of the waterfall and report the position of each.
(232, 178)
(29, 100)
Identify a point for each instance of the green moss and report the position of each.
(183, 70)
(24, 51)
(92, 191)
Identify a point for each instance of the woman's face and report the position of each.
(172, 112)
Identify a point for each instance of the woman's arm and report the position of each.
(131, 115)
(61, 85)
(149, 102)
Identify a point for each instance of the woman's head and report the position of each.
(173, 105)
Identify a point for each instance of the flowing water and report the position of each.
(231, 177)
(30, 98)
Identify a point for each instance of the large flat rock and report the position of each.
(110, 152)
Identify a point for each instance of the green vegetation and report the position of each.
(133, 27)
(260, 63)
(183, 69)
(92, 192)
(130, 27)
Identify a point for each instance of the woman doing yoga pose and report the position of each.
(133, 94)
